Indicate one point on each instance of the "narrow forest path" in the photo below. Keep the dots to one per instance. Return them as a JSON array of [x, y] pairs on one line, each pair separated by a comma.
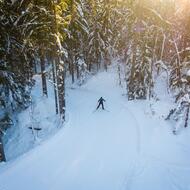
[[122, 148]]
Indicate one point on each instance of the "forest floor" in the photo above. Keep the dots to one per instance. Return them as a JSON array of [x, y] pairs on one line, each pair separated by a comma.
[[127, 147]]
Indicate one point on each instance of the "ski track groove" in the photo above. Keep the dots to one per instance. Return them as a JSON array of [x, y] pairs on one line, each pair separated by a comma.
[[173, 180], [132, 172]]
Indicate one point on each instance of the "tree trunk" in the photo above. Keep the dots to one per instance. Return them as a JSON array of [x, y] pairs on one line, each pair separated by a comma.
[[61, 89], [60, 70], [78, 71], [2, 154], [187, 116], [72, 72], [43, 74], [55, 85], [178, 64], [71, 67]]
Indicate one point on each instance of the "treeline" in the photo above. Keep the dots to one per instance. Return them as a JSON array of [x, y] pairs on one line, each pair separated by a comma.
[[75, 37]]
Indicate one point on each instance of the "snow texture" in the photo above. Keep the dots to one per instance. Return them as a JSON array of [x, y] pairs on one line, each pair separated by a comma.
[[41, 114], [129, 146], [188, 73]]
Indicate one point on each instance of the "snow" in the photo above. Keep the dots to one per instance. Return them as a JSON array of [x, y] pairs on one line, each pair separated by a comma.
[[19, 138], [129, 146], [188, 73]]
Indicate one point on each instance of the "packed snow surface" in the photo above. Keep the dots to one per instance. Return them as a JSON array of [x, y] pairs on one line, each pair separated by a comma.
[[127, 146]]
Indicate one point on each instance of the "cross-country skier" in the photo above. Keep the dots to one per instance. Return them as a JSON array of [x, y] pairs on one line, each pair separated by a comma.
[[100, 103]]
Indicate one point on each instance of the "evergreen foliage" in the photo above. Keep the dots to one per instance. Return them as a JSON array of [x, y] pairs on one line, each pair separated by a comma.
[[77, 37]]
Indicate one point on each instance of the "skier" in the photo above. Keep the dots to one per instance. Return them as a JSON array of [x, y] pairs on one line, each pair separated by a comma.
[[100, 103]]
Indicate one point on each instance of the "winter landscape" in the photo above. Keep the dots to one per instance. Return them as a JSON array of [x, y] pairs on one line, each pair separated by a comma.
[[94, 95]]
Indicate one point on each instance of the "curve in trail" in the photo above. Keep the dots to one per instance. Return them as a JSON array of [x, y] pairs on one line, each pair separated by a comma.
[[117, 122], [104, 150], [93, 151]]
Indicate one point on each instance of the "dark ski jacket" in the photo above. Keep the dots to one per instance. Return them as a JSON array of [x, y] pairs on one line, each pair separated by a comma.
[[101, 100]]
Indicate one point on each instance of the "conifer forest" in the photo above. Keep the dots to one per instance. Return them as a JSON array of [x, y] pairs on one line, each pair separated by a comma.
[[58, 57]]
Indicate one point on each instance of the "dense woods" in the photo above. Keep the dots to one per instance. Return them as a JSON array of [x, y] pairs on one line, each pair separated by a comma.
[[73, 38]]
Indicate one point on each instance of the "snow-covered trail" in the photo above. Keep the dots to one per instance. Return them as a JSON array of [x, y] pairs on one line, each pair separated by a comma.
[[119, 149], [110, 140]]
